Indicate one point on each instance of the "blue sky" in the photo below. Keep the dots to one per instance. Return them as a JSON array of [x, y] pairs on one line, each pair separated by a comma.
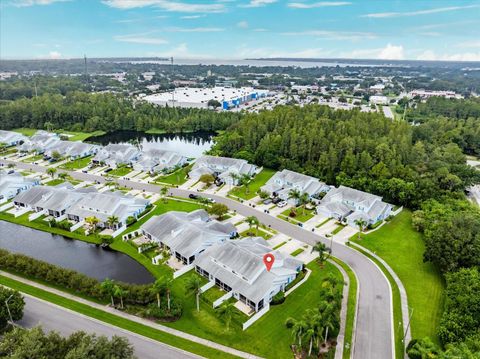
[[232, 29]]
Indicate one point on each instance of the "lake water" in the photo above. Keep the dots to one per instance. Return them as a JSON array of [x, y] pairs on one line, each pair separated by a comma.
[[187, 144], [83, 257]]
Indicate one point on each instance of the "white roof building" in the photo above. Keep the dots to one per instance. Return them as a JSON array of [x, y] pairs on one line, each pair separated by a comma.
[[14, 183], [72, 149], [10, 138], [186, 235], [348, 204], [155, 161], [281, 183], [237, 267], [379, 100], [114, 155], [221, 168], [40, 142]]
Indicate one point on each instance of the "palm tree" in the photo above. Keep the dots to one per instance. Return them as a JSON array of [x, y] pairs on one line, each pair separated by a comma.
[[252, 221], [157, 289], [298, 330], [168, 283], [303, 200], [361, 224], [120, 293], [112, 221], [51, 171], [235, 177], [295, 194], [226, 312], [92, 222], [194, 285], [245, 181], [321, 249], [108, 287], [163, 192], [62, 176]]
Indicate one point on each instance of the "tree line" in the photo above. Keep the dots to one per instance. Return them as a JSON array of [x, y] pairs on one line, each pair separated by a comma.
[[362, 150], [81, 111]]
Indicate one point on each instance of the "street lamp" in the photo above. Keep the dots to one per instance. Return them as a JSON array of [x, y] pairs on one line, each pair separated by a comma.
[[8, 309]]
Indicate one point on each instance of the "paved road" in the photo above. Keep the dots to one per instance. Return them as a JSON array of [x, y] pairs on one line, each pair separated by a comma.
[[52, 317], [374, 327]]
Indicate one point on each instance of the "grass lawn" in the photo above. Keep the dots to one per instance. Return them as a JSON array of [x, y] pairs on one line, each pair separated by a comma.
[[339, 228], [258, 181], [77, 164], [33, 159], [54, 182], [176, 178], [302, 215], [256, 233], [116, 320], [75, 136], [402, 248], [324, 222], [120, 171], [297, 251], [279, 245], [26, 131]]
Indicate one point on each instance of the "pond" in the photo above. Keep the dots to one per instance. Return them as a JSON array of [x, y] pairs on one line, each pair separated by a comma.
[[83, 257], [187, 144]]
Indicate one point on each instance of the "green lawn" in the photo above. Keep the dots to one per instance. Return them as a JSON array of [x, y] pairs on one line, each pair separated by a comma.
[[116, 320], [301, 214], [258, 233], [258, 181], [54, 182], [402, 248], [339, 228], [297, 251], [33, 159], [26, 131], [176, 178], [76, 136], [77, 164], [120, 171]]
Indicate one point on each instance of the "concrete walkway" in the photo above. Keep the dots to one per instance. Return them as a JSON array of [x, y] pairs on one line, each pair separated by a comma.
[[343, 312], [108, 309]]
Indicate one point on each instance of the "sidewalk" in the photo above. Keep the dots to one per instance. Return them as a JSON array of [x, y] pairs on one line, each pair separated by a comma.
[[133, 318]]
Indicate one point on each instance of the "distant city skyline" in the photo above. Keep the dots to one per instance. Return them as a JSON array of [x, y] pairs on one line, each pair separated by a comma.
[[238, 29]]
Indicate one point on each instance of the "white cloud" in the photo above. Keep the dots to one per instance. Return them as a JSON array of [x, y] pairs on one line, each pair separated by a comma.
[[427, 55], [166, 5], [259, 3], [389, 52], [474, 43], [54, 55], [392, 52], [335, 35], [141, 39], [191, 17], [194, 29], [419, 12], [260, 30], [432, 56], [242, 25], [246, 52], [24, 3], [301, 5], [180, 51]]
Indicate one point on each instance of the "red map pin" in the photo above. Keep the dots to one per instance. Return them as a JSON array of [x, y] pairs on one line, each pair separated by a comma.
[[268, 260]]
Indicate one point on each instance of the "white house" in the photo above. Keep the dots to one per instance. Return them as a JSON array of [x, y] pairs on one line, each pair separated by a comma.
[[221, 168], [348, 205], [281, 183], [10, 138], [237, 267], [114, 155], [379, 100], [105, 205], [186, 235], [156, 161], [72, 149], [40, 142], [14, 183]]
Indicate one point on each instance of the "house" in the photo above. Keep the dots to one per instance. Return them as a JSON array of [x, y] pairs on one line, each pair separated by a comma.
[[156, 161], [14, 183], [9, 138], [221, 168], [105, 205], [186, 235], [348, 205], [281, 183], [72, 149], [114, 155], [54, 201], [39, 142], [237, 267]]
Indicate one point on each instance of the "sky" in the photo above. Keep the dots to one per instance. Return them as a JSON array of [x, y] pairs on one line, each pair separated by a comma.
[[238, 29]]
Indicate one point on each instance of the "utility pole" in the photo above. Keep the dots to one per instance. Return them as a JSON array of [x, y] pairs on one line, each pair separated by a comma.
[[8, 309]]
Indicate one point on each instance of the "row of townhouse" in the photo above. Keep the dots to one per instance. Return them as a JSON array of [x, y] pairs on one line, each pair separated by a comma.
[[236, 266], [12, 184], [10, 138], [225, 170], [65, 202]]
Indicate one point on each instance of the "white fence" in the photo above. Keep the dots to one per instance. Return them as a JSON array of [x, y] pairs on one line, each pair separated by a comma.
[[77, 226], [256, 316], [36, 215], [207, 286], [222, 299], [182, 271]]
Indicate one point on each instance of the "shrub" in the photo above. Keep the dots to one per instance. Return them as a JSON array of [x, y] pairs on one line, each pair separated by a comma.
[[131, 220], [278, 298]]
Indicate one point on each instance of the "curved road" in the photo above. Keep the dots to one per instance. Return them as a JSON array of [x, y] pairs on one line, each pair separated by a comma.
[[373, 335]]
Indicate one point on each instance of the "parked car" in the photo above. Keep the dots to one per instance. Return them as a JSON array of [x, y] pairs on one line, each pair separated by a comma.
[[276, 200], [267, 201], [85, 171], [211, 200], [108, 170], [281, 204], [193, 196]]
